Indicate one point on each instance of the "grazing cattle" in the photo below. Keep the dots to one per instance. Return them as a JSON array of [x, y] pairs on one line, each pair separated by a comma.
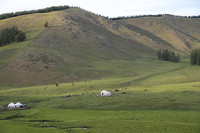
[[1, 107], [66, 96], [114, 90], [124, 93], [56, 85]]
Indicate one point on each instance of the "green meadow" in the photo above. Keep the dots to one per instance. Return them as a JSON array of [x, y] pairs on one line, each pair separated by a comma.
[[159, 97]]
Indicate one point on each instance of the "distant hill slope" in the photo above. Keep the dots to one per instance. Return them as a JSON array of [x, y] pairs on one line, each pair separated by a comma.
[[75, 40], [179, 33]]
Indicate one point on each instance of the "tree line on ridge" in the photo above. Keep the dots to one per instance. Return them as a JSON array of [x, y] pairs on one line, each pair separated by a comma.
[[45, 10]]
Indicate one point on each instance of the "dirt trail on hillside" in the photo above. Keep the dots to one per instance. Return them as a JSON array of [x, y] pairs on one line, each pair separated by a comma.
[[139, 80]]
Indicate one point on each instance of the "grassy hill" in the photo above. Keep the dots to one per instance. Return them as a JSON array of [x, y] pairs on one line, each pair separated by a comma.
[[78, 45], [178, 33], [65, 51]]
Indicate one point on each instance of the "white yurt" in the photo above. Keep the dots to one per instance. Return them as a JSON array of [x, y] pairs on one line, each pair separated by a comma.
[[11, 105], [105, 93], [18, 104]]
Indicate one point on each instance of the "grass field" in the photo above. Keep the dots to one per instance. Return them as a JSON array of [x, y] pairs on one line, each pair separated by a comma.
[[73, 120], [161, 97]]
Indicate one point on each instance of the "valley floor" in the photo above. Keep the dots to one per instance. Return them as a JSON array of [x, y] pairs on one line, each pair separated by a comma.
[[117, 121], [162, 97]]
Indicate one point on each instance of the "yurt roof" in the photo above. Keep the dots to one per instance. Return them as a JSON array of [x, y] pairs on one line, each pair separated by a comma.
[[105, 91], [18, 103]]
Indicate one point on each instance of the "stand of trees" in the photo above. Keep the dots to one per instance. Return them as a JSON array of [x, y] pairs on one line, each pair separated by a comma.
[[137, 16], [10, 35], [159, 15], [195, 57], [49, 9], [167, 55]]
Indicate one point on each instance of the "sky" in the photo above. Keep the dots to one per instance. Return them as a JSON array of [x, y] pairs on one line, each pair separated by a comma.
[[111, 8]]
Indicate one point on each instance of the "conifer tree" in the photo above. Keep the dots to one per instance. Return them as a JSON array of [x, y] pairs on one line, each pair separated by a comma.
[[195, 57], [46, 24]]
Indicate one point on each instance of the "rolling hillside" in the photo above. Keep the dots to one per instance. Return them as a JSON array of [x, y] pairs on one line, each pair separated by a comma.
[[78, 45], [178, 33]]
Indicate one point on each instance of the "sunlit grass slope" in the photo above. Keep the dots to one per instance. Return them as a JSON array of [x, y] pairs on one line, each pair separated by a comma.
[[66, 50], [179, 32], [78, 45], [32, 25]]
